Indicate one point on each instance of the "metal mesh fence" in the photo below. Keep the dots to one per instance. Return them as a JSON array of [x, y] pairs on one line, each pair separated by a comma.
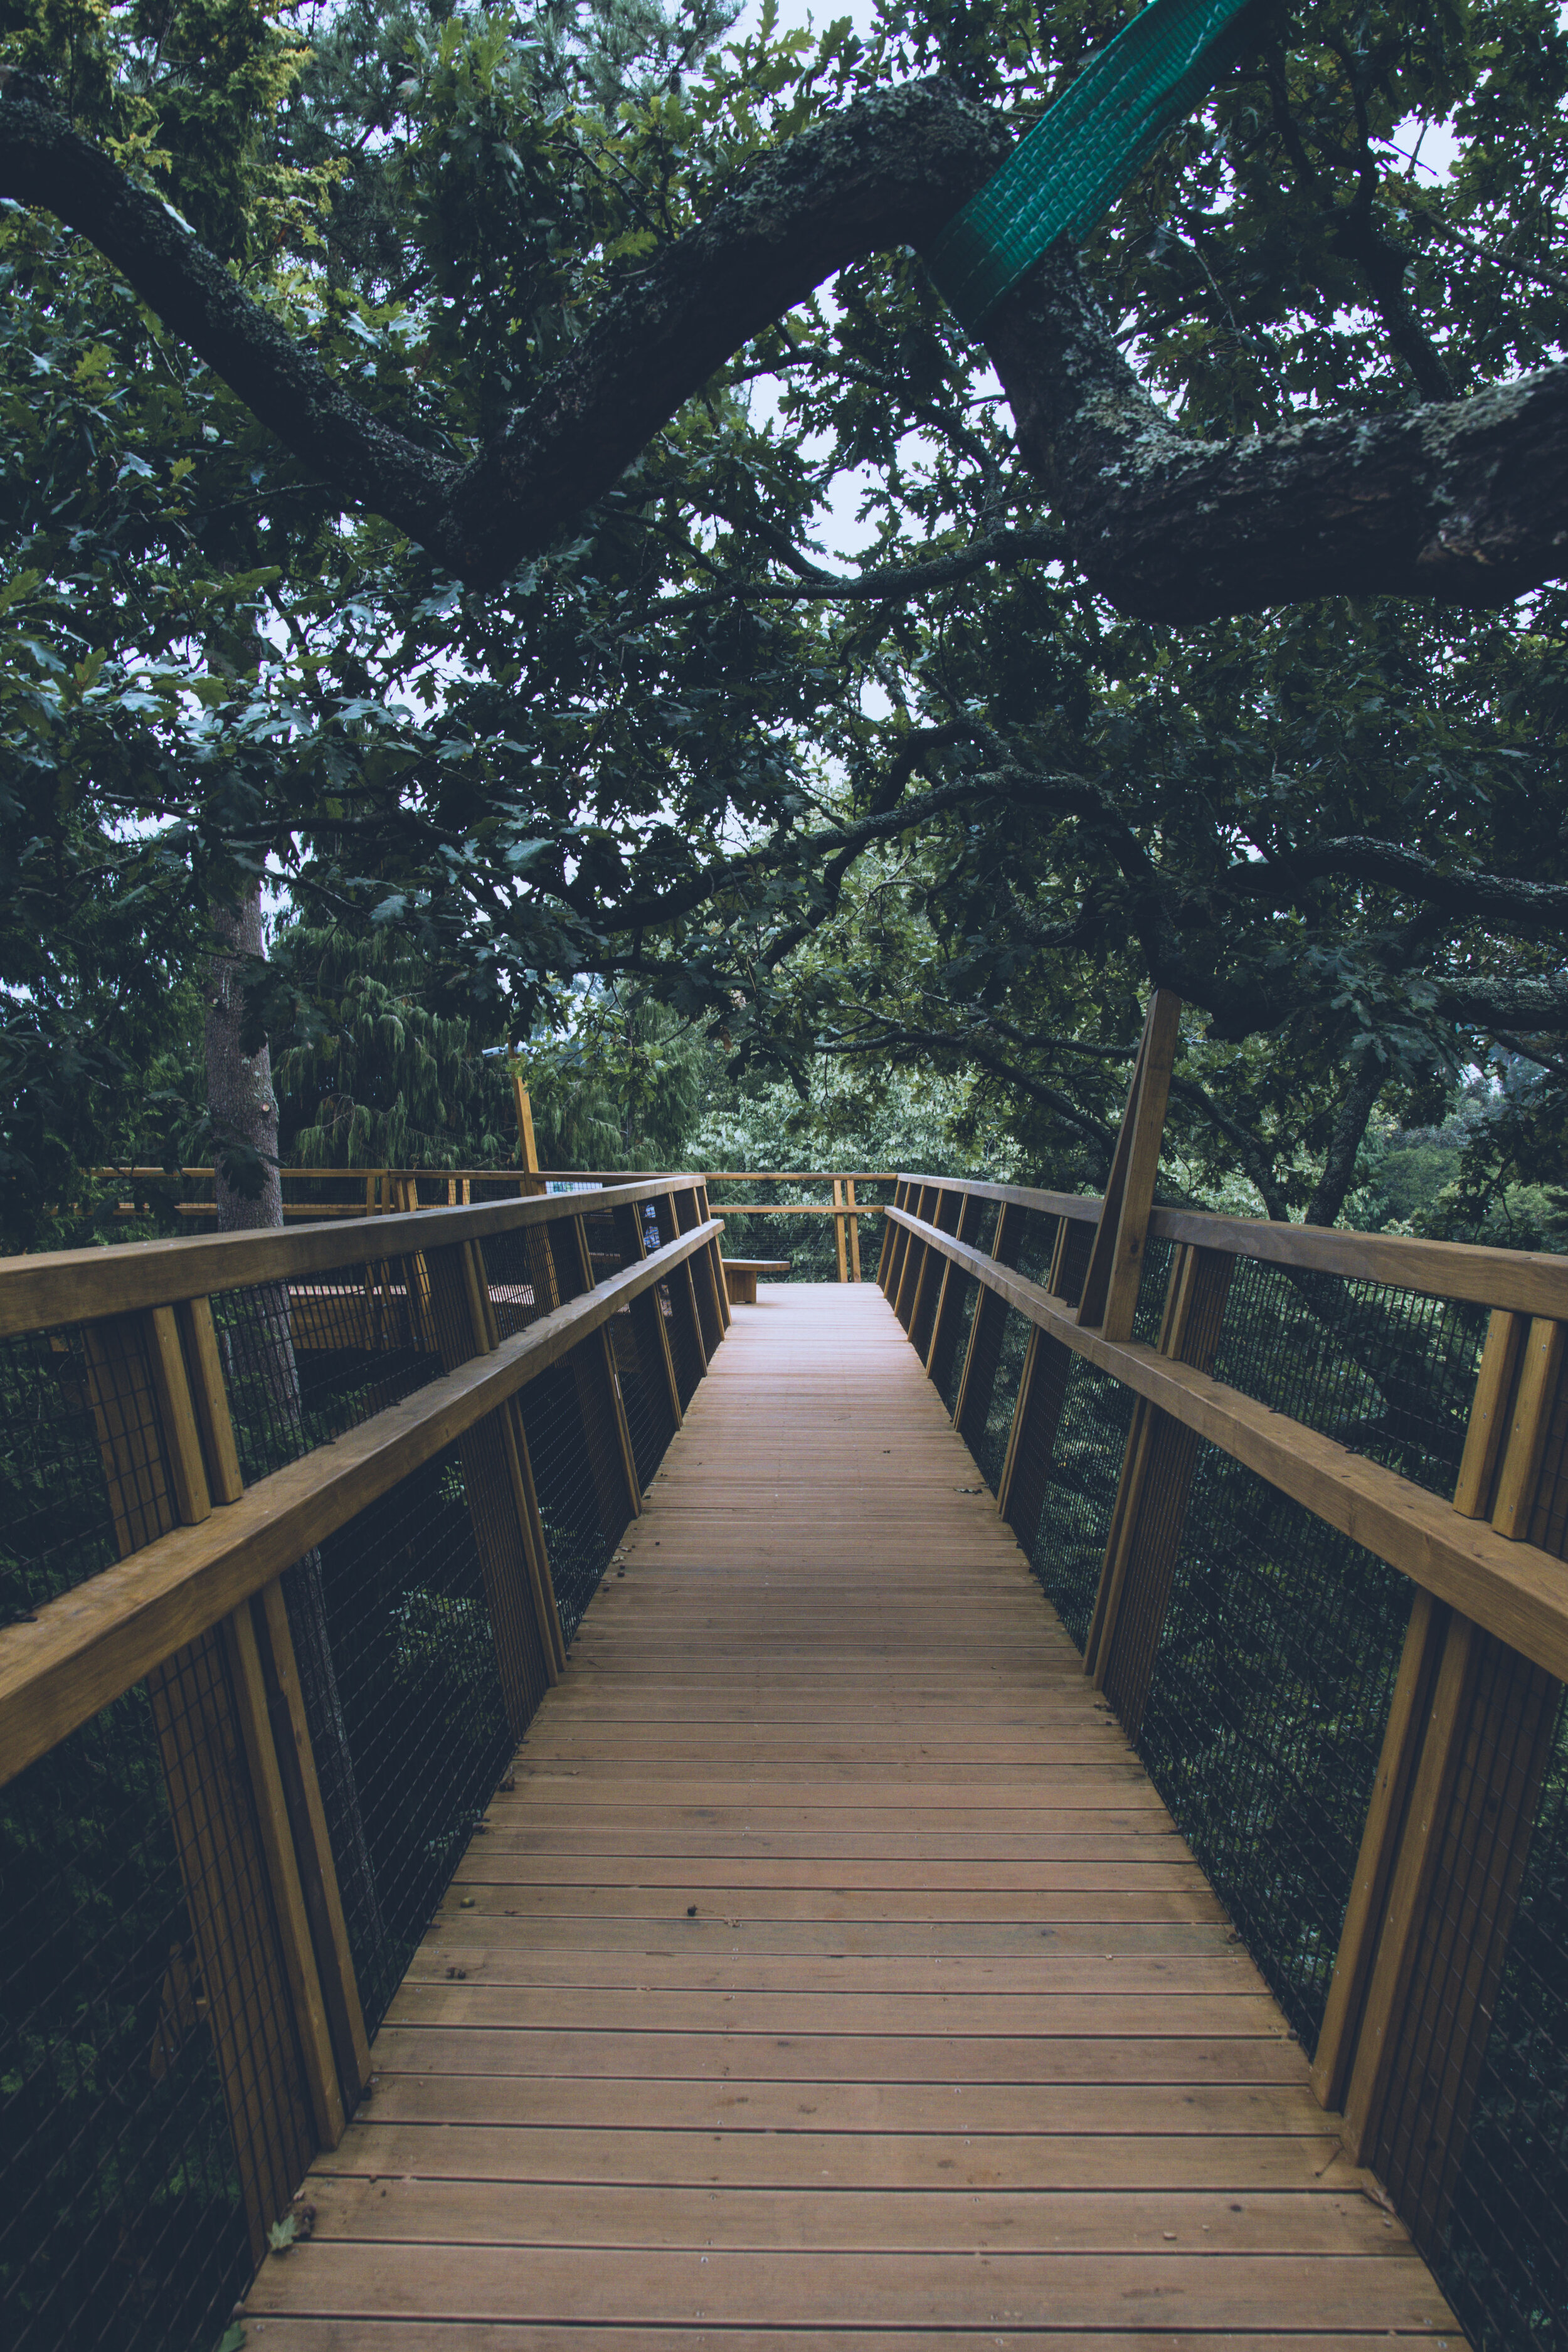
[[128, 2217], [571, 1496], [1068, 1545], [948, 1389], [521, 1276], [305, 1360], [1388, 1373], [422, 1709], [57, 1526], [1265, 1716], [1501, 2248]]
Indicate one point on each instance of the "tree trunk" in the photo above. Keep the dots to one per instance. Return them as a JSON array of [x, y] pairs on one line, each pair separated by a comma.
[[243, 1111]]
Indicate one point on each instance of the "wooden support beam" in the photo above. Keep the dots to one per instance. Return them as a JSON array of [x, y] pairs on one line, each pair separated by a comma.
[[649, 1326], [721, 1289], [948, 1319], [496, 1511], [151, 1452], [986, 1325], [1539, 1364], [908, 1280], [1144, 1541], [928, 1281], [1404, 1908], [1490, 1413], [1116, 1263], [308, 2001], [209, 1395], [1038, 1407], [313, 1854], [854, 1230], [893, 1240], [1408, 1715], [840, 1234]]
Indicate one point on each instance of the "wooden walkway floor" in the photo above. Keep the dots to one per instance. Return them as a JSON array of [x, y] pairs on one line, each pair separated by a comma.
[[834, 1975]]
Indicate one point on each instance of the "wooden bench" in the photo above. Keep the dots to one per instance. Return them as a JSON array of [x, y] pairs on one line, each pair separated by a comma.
[[741, 1277]]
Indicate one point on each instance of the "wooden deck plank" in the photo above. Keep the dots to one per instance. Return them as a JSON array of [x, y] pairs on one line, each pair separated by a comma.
[[832, 1974]]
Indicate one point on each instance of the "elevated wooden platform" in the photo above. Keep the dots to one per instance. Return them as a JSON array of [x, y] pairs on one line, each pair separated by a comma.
[[833, 1974]]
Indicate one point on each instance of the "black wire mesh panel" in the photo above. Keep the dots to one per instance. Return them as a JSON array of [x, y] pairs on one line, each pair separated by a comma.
[[1388, 1373], [947, 1388], [570, 1501], [1473, 2141], [424, 1718], [1067, 1548], [304, 1360], [56, 1523], [645, 1393], [131, 2215], [522, 1278], [1152, 1286], [1265, 1716]]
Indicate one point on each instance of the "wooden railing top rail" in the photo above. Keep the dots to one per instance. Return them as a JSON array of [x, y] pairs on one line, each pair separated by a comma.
[[1525, 1282], [512, 1175], [61, 1287], [82, 1650], [1513, 1589]]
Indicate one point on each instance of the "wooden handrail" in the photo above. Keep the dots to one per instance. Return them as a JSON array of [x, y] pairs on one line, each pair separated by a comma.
[[1526, 1282], [1513, 1589], [62, 1286], [83, 1649]]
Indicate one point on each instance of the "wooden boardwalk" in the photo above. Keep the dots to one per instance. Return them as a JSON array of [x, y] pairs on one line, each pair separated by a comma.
[[834, 1975]]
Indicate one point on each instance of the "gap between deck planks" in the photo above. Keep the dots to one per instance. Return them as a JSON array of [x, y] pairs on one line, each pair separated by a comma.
[[833, 1974]]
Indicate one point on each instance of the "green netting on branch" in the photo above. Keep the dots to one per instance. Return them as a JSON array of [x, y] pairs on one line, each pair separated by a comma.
[[1080, 156]]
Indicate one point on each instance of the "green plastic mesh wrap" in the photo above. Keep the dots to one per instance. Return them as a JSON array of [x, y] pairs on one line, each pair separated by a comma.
[[1081, 154]]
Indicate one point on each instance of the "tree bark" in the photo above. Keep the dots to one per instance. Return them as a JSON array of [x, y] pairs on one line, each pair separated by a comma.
[[242, 1106], [1465, 501]]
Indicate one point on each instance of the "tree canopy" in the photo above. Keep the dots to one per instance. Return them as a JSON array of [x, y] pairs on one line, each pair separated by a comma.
[[419, 427]]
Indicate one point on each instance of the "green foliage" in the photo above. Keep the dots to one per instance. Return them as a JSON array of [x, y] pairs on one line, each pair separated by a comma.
[[387, 1079]]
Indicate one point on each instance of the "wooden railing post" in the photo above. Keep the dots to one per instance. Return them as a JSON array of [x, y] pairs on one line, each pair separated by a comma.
[[686, 1324], [713, 1254], [518, 1593], [1042, 1389], [601, 1408], [920, 1201], [947, 1320], [712, 1304], [893, 1238], [264, 2003], [1448, 1834], [1144, 1538], [647, 1321], [1109, 1298], [854, 1230], [984, 1353], [271, 1642]]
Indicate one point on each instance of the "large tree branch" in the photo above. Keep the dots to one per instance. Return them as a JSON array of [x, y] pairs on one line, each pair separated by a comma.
[[1493, 1004], [894, 583], [886, 170], [1464, 890], [1466, 501]]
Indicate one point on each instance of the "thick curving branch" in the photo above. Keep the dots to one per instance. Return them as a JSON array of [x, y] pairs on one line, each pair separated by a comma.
[[1466, 501], [887, 171], [1462, 890]]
